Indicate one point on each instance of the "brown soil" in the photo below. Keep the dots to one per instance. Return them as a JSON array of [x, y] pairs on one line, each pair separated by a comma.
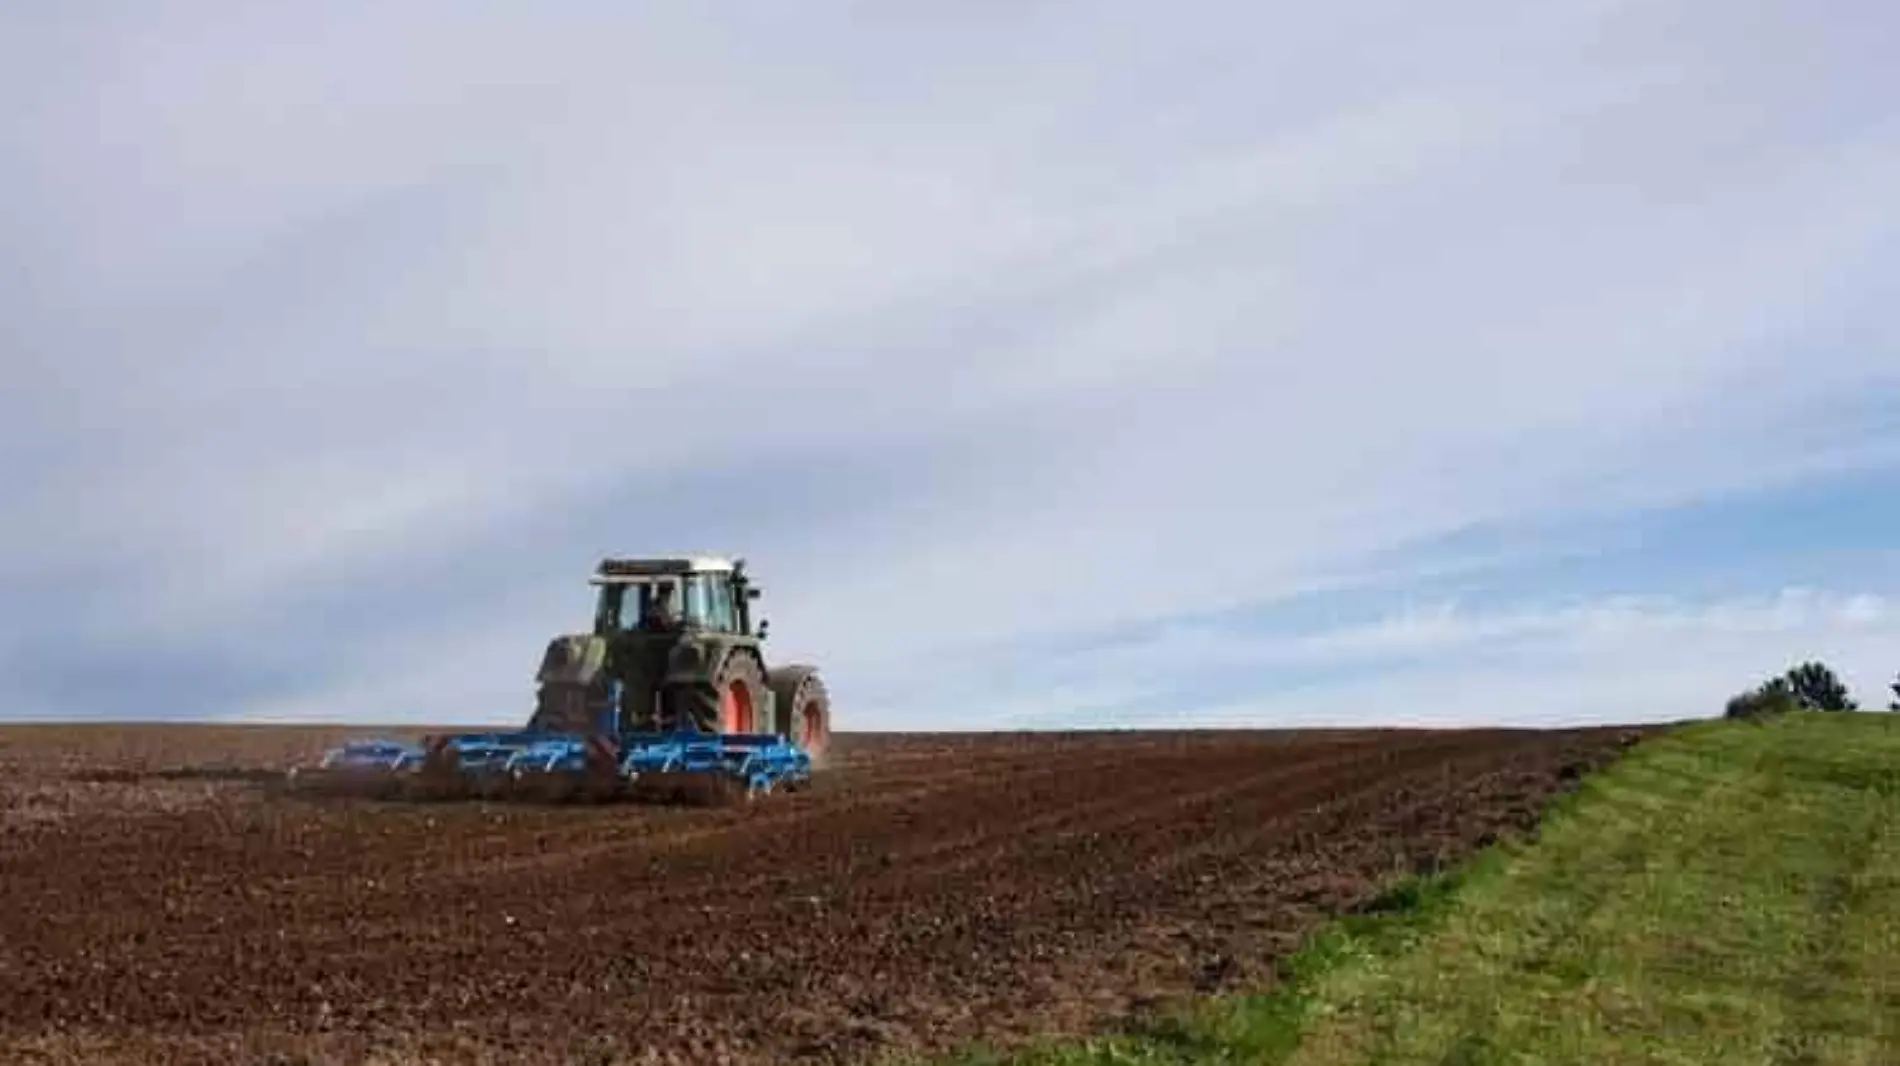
[[163, 906]]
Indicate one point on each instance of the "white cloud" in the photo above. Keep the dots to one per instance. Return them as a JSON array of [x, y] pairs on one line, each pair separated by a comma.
[[1113, 314], [1621, 659]]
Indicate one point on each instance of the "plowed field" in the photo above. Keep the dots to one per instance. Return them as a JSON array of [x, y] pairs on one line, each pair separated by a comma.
[[929, 891]]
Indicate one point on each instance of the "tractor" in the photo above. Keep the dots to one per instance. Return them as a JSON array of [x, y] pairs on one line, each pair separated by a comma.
[[668, 692], [679, 638]]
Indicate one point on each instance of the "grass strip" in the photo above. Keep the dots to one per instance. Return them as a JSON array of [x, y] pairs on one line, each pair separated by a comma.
[[1729, 892]]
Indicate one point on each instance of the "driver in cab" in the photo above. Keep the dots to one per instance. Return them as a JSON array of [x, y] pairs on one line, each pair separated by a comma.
[[661, 615]]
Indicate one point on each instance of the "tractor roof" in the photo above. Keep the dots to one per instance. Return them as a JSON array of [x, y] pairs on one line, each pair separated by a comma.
[[631, 569]]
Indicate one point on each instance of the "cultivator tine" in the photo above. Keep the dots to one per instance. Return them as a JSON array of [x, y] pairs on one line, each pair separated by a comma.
[[537, 785], [601, 767], [441, 776], [322, 781], [688, 788]]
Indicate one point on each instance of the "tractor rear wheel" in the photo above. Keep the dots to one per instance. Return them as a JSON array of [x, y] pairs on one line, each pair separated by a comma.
[[729, 702], [804, 708]]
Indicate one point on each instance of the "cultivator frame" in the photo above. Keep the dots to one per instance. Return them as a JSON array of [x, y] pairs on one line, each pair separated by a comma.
[[692, 768]]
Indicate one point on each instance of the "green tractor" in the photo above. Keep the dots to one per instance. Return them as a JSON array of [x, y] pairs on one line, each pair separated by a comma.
[[675, 649]]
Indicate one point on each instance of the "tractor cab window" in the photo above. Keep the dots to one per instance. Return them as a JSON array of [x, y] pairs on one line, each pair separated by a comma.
[[624, 605], [709, 603], [702, 600], [617, 610], [662, 598]]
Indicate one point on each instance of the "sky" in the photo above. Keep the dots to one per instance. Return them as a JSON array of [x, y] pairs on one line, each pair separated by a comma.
[[1053, 364]]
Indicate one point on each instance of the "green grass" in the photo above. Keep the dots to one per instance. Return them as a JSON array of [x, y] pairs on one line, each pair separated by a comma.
[[1727, 893]]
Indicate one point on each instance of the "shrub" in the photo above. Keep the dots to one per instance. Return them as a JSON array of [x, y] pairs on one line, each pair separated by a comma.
[[1770, 697], [1818, 689], [1810, 686]]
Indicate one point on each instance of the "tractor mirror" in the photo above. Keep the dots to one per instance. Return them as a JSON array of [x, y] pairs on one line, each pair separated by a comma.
[[752, 593]]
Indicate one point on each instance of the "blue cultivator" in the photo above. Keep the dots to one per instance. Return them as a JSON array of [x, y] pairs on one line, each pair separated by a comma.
[[718, 767], [674, 767]]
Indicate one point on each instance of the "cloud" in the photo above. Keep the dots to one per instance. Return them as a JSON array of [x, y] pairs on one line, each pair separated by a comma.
[[346, 344], [1619, 659]]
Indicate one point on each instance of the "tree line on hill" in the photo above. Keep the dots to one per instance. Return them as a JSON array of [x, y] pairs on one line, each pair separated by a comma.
[[1809, 686]]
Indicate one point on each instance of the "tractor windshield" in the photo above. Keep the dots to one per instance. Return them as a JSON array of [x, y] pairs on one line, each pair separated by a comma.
[[705, 601], [623, 604], [710, 603]]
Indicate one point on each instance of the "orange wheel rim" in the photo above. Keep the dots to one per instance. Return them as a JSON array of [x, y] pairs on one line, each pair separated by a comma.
[[811, 735], [735, 708]]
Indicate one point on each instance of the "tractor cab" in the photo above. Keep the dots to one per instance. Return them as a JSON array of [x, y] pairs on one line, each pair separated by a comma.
[[699, 593]]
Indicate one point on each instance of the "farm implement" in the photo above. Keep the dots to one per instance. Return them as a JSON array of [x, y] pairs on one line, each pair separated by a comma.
[[664, 767], [668, 698]]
